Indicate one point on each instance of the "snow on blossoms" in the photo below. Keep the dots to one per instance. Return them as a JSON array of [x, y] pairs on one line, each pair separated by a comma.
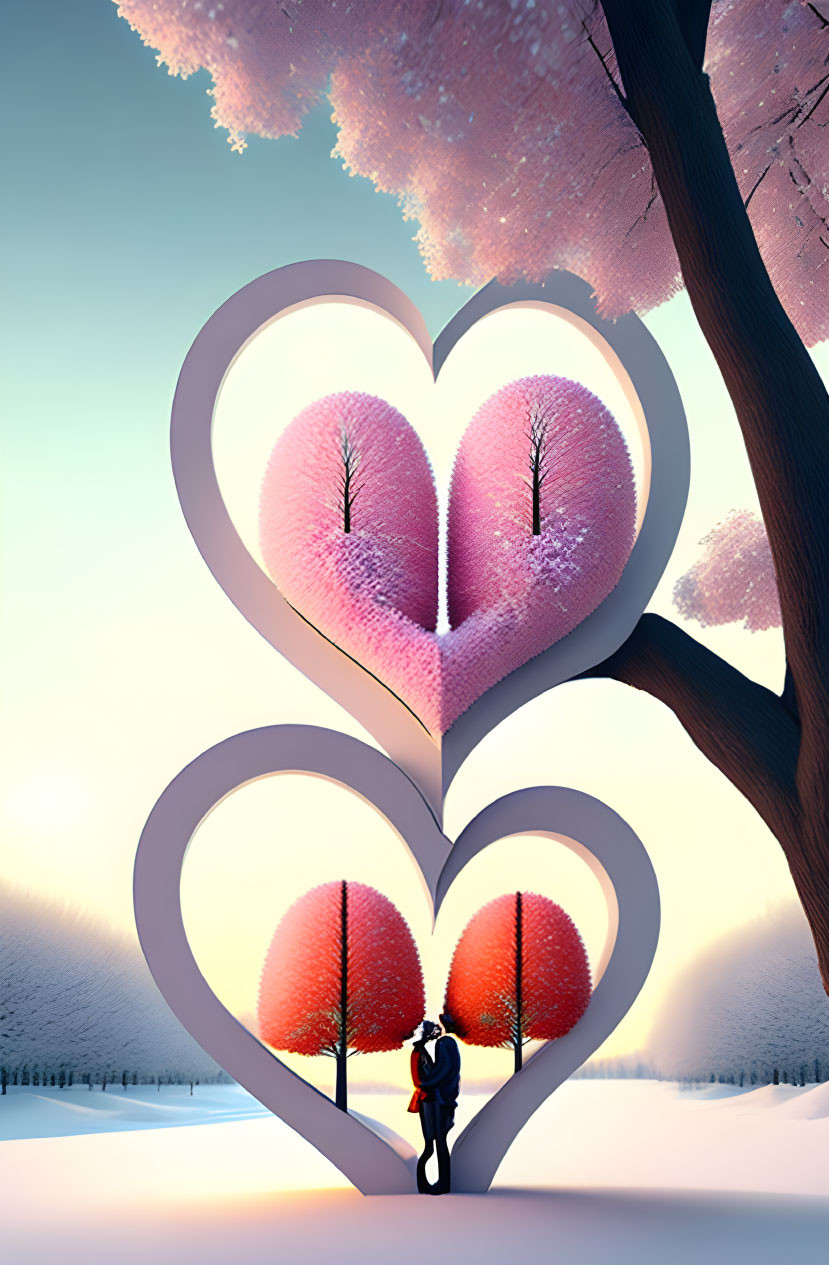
[[541, 524]]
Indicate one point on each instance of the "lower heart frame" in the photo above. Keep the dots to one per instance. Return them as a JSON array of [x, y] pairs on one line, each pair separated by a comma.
[[375, 1159]]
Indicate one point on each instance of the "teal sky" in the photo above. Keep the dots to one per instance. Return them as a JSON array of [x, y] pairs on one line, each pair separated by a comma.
[[126, 220]]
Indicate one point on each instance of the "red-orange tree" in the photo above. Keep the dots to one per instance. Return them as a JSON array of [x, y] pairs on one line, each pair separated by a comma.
[[519, 973], [342, 975]]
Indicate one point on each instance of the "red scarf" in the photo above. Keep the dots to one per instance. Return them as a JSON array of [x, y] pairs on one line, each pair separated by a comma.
[[419, 1094]]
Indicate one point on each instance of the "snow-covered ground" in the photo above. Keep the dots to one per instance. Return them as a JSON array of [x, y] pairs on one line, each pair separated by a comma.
[[606, 1171], [55, 1113]]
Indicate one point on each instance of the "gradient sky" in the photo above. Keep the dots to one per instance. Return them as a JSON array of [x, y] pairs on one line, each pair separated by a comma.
[[126, 221]]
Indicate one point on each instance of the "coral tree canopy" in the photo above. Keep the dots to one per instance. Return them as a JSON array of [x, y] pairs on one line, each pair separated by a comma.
[[300, 993], [502, 987]]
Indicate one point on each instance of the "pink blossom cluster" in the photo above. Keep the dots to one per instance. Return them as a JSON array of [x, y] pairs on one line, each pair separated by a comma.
[[499, 127], [734, 579], [541, 524]]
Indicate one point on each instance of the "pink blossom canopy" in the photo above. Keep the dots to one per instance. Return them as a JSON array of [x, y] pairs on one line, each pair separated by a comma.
[[498, 127], [734, 579]]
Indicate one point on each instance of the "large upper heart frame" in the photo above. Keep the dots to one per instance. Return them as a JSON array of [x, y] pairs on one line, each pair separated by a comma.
[[633, 354]]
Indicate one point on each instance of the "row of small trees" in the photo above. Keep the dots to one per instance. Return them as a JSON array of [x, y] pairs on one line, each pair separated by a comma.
[[342, 976], [78, 1006], [66, 1078], [813, 1074]]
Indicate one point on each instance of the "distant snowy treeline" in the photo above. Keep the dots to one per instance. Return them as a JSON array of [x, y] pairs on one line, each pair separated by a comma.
[[78, 1003], [750, 1011], [622, 1067]]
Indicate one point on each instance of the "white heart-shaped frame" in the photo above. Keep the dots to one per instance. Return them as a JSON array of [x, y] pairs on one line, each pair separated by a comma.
[[376, 1161], [642, 370]]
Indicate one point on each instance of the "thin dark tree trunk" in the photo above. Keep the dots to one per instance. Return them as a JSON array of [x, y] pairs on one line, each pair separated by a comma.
[[518, 1035], [783, 411], [341, 1094]]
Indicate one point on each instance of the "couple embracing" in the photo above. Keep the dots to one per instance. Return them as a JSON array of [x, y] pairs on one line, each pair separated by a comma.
[[436, 1078]]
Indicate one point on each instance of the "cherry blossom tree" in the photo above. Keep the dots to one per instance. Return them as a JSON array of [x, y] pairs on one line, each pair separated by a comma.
[[342, 975], [641, 144], [472, 113], [519, 973]]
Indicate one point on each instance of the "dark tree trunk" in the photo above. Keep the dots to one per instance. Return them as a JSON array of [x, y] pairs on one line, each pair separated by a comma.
[[782, 407], [341, 1092], [518, 1034]]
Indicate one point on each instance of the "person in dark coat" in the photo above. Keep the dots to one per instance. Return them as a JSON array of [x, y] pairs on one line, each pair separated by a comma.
[[423, 1100], [438, 1080]]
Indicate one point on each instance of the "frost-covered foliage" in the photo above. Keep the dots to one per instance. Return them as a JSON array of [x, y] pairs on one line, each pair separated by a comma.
[[500, 128], [751, 1009], [78, 1003], [734, 579], [519, 973], [541, 522], [300, 992]]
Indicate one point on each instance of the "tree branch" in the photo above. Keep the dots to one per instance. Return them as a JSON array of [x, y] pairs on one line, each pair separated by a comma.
[[693, 17], [789, 697], [741, 727], [614, 85], [756, 185]]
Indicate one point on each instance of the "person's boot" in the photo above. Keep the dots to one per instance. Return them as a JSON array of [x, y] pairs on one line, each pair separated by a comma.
[[424, 1186], [442, 1185]]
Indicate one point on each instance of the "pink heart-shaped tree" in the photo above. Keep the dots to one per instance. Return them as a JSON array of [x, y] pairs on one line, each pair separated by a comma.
[[541, 523]]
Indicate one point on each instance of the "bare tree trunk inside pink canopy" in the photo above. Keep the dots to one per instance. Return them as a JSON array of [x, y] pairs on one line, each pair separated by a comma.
[[774, 749]]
